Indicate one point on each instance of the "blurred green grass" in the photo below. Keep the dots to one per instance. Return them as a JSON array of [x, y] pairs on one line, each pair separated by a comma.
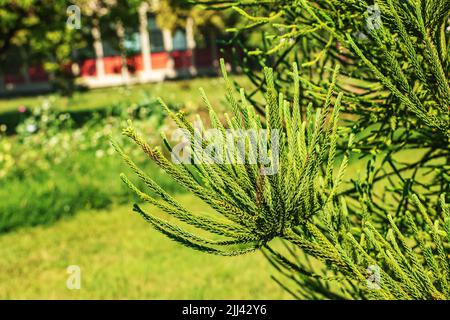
[[179, 92], [122, 257]]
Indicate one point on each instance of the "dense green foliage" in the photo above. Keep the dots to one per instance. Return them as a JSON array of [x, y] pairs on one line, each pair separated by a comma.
[[394, 95], [36, 32], [394, 76], [263, 206]]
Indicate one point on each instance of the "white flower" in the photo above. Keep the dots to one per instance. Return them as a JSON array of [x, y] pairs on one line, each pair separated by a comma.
[[31, 128]]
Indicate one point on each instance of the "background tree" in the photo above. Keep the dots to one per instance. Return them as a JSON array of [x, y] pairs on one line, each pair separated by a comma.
[[39, 29], [210, 25]]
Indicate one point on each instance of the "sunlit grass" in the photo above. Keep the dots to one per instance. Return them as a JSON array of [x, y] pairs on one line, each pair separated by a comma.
[[180, 92], [121, 257]]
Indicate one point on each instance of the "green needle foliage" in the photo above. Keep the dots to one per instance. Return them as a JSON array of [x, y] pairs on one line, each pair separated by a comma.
[[254, 207], [382, 235], [394, 58], [301, 206]]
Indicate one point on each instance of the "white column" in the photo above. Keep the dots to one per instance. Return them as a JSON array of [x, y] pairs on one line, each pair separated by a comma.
[[98, 48], [168, 47], [145, 38], [190, 41]]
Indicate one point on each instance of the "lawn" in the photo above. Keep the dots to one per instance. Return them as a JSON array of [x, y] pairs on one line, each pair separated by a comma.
[[121, 257], [179, 92]]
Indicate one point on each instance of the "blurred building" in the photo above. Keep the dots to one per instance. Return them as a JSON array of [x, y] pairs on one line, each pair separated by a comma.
[[153, 55]]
